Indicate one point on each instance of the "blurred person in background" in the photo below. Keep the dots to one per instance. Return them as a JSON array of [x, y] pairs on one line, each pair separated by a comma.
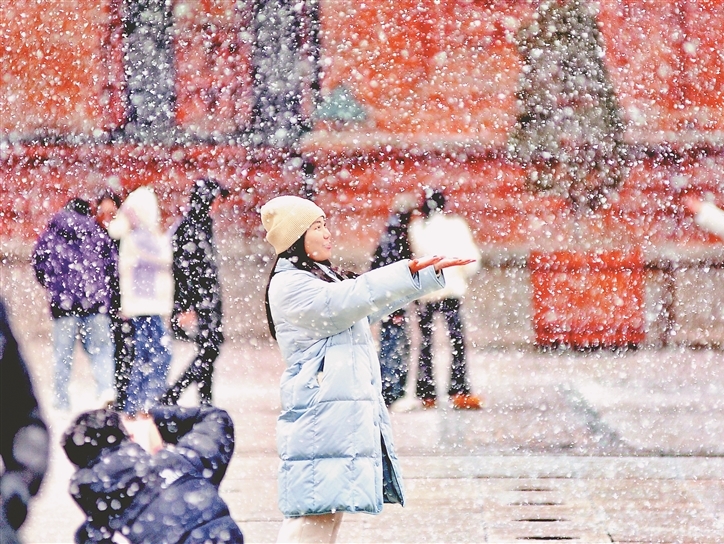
[[107, 205], [439, 233], [146, 286], [152, 480], [24, 442], [334, 433], [395, 342], [76, 261], [197, 313]]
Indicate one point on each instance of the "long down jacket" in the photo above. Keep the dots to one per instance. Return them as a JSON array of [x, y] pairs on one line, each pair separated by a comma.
[[334, 435]]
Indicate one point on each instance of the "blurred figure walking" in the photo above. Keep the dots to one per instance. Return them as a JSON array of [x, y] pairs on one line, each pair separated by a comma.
[[24, 441], [437, 234], [76, 261], [395, 343], [146, 295], [197, 311]]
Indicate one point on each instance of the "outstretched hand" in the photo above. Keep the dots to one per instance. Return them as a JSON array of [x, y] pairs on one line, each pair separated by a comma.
[[437, 262], [692, 204]]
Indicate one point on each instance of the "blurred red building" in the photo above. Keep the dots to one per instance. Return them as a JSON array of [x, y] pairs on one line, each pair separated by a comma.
[[389, 96]]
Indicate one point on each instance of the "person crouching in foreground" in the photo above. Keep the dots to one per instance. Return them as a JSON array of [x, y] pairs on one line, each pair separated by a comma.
[[168, 494], [334, 434]]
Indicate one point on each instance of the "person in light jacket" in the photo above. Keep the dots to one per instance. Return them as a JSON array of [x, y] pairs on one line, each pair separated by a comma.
[[146, 283], [334, 435], [435, 233]]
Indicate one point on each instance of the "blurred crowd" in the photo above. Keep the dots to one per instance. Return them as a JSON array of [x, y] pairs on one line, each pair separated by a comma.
[[121, 287]]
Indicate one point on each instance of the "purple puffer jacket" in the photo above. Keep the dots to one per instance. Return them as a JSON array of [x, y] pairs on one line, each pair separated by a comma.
[[77, 262]]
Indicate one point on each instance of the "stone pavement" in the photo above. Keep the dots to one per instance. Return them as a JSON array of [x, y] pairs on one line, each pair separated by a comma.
[[595, 446], [581, 447]]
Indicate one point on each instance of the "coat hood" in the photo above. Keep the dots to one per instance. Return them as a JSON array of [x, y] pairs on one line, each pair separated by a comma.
[[90, 434], [140, 209], [113, 474]]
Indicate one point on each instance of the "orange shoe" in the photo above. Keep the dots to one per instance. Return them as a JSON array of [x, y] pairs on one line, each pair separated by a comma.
[[428, 403], [463, 401]]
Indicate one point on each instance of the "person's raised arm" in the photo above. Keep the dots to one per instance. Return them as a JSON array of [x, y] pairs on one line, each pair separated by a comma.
[[143, 431], [207, 432], [706, 215], [437, 262]]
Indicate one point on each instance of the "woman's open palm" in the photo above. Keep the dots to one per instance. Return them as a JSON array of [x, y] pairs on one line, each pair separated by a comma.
[[437, 262]]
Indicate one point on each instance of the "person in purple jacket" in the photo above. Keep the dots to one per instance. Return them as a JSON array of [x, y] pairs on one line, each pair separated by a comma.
[[77, 263]]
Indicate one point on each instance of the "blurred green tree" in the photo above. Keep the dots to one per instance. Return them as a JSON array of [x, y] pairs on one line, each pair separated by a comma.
[[569, 131]]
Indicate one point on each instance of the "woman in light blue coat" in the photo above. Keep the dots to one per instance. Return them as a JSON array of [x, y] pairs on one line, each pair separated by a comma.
[[333, 435]]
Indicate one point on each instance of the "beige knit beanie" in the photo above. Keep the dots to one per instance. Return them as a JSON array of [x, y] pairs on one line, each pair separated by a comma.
[[287, 218]]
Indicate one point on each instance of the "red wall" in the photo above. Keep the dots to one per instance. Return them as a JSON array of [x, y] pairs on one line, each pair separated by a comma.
[[438, 81]]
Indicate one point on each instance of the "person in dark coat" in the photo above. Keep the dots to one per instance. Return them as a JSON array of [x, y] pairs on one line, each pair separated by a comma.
[[197, 312], [167, 497], [23, 436], [394, 352], [77, 263]]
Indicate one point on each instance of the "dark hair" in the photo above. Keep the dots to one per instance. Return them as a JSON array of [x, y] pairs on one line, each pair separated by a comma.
[[107, 194], [205, 190], [297, 255], [90, 434], [78, 205], [434, 200]]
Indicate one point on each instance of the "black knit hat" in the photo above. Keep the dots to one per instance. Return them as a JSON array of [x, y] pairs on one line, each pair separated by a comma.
[[78, 205], [90, 434], [434, 200], [208, 189]]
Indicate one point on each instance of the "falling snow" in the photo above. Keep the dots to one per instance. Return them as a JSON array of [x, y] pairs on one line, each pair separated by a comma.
[[570, 135]]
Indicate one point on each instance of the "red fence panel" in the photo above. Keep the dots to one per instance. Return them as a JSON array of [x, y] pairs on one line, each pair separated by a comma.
[[588, 299]]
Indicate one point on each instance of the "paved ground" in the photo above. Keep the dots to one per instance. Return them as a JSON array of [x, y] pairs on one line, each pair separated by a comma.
[[597, 447], [580, 447]]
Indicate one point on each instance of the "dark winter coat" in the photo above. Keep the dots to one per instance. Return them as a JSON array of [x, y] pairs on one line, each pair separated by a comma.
[[393, 246], [24, 442], [195, 272], [168, 498], [77, 262]]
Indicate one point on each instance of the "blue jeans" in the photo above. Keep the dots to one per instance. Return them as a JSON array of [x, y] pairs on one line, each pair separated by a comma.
[[394, 357], [147, 379], [94, 332]]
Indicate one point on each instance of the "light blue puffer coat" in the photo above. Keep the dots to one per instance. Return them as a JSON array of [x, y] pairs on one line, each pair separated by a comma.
[[334, 435]]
